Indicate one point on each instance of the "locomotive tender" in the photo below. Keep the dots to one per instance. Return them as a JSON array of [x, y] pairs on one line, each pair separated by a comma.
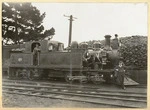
[[80, 62]]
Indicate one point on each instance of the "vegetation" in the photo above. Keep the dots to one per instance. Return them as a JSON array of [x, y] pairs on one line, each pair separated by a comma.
[[134, 51], [22, 22]]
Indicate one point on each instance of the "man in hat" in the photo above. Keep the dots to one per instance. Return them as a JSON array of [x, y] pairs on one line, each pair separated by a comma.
[[116, 41], [36, 51], [120, 74]]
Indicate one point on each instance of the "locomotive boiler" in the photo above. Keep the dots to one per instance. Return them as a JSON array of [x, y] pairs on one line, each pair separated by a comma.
[[79, 62]]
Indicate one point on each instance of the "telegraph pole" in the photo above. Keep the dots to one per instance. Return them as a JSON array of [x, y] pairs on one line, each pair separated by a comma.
[[70, 28]]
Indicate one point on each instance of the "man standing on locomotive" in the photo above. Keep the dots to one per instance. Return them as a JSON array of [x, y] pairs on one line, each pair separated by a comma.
[[36, 51], [120, 74], [117, 43]]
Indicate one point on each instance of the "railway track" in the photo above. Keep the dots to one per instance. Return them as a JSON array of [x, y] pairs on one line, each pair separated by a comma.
[[109, 98], [62, 84]]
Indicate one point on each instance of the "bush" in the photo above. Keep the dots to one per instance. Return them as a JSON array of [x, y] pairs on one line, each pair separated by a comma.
[[134, 51]]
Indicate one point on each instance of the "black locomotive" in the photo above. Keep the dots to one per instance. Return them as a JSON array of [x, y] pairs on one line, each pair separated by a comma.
[[79, 61]]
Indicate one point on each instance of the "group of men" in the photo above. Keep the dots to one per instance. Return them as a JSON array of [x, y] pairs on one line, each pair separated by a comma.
[[119, 70]]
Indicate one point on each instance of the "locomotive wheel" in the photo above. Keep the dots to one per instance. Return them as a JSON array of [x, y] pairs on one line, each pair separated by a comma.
[[83, 81], [22, 74], [96, 78], [107, 79], [96, 66], [18, 73], [67, 77], [12, 73], [33, 74], [30, 75]]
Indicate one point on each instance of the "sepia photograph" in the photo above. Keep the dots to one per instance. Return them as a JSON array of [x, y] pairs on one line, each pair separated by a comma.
[[74, 55]]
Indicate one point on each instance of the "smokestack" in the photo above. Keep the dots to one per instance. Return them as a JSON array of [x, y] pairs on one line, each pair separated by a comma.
[[107, 42]]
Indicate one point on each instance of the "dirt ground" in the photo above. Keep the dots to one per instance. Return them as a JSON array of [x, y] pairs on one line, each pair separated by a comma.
[[22, 101]]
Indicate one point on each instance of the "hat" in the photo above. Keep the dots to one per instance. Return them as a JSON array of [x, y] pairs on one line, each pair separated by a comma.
[[116, 34]]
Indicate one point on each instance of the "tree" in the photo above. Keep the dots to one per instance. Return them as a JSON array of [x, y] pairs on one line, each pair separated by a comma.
[[22, 22], [50, 33]]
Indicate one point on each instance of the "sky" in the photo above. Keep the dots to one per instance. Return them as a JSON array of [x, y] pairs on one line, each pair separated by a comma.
[[94, 20]]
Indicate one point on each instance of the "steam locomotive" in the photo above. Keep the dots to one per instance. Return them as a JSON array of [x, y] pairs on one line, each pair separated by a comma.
[[77, 62]]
